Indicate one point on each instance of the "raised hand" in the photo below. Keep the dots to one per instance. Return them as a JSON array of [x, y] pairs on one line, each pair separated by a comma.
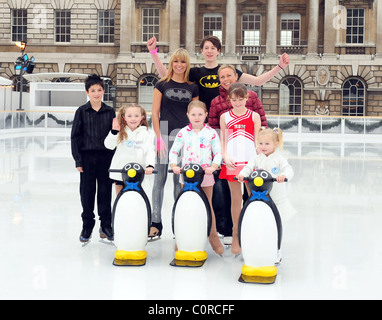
[[284, 60], [152, 44]]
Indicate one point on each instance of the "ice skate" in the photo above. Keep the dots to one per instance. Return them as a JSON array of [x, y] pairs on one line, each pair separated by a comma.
[[85, 236], [106, 233], [155, 231]]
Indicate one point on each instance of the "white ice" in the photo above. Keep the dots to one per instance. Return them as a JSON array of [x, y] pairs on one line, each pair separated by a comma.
[[331, 248]]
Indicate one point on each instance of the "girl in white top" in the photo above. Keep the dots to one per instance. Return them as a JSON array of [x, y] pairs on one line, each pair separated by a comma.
[[133, 142], [268, 141]]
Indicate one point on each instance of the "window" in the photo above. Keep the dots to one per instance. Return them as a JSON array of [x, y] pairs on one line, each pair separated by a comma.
[[290, 97], [105, 26], [62, 25], [150, 23], [290, 29], [353, 97], [17, 84], [19, 25], [146, 90], [109, 94], [213, 25], [250, 26], [355, 29]]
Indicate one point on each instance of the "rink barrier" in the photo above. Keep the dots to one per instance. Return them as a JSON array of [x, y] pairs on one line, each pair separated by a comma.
[[44, 120]]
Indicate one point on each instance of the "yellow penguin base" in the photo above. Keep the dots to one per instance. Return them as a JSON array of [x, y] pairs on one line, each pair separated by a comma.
[[189, 259], [130, 258], [265, 275]]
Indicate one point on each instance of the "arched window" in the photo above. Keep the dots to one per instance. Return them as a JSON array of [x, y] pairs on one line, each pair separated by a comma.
[[109, 90], [146, 89], [17, 84], [290, 96], [353, 97]]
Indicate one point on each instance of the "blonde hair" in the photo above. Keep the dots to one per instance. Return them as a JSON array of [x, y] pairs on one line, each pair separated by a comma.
[[122, 135], [275, 133], [227, 66], [178, 54], [196, 104]]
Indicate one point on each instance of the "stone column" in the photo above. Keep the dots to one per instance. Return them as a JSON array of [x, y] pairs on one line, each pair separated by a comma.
[[313, 26], [174, 33], [190, 26], [230, 39], [379, 27], [126, 31], [271, 44], [331, 30]]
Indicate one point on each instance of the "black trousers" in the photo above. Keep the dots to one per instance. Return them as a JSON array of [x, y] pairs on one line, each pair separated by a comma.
[[221, 203], [95, 181]]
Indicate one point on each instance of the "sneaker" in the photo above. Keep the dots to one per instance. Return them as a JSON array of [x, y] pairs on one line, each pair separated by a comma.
[[106, 233], [85, 235]]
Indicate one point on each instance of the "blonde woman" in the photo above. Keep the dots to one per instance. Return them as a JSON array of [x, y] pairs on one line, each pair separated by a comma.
[[171, 97]]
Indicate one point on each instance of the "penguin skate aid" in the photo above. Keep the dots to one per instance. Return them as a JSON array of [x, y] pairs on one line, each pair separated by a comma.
[[191, 219], [260, 231], [131, 217]]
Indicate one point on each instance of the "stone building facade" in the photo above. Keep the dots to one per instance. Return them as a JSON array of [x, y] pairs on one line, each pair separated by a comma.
[[335, 46]]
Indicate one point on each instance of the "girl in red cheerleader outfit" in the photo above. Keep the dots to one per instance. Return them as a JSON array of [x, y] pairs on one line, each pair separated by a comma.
[[239, 127]]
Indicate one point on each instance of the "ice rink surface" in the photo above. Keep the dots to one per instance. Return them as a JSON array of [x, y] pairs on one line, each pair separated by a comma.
[[331, 248]]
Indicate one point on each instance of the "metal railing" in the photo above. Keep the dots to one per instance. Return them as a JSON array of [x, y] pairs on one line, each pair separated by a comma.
[[43, 120], [35, 120], [332, 125]]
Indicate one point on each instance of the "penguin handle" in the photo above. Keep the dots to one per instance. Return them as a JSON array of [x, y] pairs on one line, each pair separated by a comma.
[[120, 171], [245, 179], [275, 180], [170, 171]]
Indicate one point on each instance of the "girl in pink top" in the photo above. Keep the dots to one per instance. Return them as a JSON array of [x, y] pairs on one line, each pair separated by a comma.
[[200, 144], [239, 127]]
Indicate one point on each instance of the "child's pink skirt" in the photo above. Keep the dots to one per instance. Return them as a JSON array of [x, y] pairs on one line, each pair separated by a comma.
[[208, 180]]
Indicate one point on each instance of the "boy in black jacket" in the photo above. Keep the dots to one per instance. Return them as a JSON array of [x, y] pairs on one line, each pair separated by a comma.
[[92, 123]]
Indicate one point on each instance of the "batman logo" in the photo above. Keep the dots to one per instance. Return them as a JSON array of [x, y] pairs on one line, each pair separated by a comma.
[[180, 95], [210, 82]]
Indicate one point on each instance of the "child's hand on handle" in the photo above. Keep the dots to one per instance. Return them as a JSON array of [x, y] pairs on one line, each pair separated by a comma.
[[240, 177], [176, 169], [149, 170], [281, 178]]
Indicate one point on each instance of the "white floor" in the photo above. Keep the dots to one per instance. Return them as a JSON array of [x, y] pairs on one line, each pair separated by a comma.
[[331, 248]]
